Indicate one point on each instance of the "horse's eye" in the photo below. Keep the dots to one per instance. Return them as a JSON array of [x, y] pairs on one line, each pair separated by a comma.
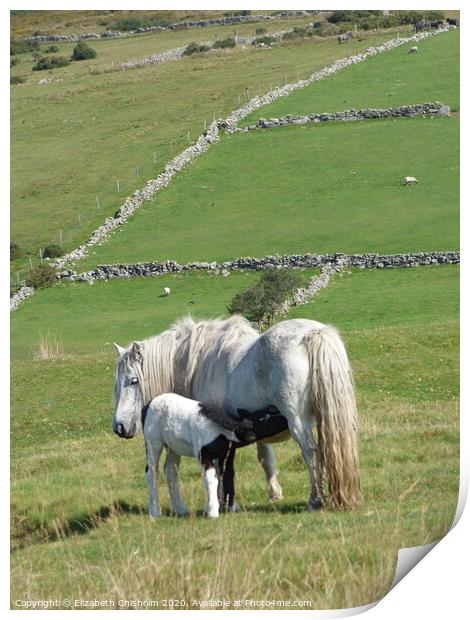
[[134, 381]]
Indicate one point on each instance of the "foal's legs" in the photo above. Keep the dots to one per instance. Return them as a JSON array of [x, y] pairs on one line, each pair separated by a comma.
[[172, 462], [151, 473], [268, 462], [227, 482], [211, 483], [301, 431]]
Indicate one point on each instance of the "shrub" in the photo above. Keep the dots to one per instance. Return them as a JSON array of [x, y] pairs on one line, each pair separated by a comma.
[[267, 40], [140, 21], [16, 79], [195, 48], [51, 49], [82, 51], [261, 302], [41, 276], [13, 62], [261, 30], [53, 250], [296, 33], [46, 64], [16, 251], [225, 43], [22, 46]]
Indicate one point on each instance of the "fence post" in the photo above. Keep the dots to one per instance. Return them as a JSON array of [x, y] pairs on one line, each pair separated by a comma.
[[205, 124], [98, 203], [154, 157], [30, 262], [79, 222], [60, 235], [117, 184], [188, 136], [18, 277], [40, 254]]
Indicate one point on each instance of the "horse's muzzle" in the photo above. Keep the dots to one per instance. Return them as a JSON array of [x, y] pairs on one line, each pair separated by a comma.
[[120, 430]]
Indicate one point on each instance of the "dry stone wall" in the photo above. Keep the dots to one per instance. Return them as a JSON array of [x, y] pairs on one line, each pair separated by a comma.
[[422, 109], [290, 261]]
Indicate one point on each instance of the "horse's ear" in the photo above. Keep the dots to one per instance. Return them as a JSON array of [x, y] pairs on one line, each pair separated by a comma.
[[136, 352], [120, 350]]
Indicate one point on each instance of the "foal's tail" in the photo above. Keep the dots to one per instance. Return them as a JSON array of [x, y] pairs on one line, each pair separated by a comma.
[[334, 404]]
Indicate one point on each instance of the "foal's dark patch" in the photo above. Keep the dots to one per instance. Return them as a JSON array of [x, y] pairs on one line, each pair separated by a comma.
[[241, 428]]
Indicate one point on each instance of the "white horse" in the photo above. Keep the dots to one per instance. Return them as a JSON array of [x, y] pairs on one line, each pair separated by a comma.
[[166, 291], [189, 428], [299, 366]]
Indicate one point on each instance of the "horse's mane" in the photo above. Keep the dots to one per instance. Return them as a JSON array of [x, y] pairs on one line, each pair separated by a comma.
[[168, 362]]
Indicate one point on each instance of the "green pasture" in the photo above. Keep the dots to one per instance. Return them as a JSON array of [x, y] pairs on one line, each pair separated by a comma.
[[73, 140], [86, 319], [317, 188], [390, 79], [79, 497]]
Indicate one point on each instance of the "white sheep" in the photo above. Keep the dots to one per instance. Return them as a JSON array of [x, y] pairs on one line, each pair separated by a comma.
[[166, 291], [413, 50], [410, 181]]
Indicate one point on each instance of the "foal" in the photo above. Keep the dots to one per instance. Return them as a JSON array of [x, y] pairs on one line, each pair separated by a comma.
[[189, 428]]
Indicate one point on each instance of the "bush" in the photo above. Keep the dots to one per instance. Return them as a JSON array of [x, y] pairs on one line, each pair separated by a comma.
[[16, 79], [22, 46], [41, 276], [296, 33], [82, 51], [261, 30], [195, 48], [13, 62], [46, 64], [51, 49], [143, 21], [225, 43], [16, 251], [267, 40], [261, 302], [53, 250]]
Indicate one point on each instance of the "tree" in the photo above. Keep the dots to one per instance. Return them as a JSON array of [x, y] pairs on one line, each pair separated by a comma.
[[82, 51]]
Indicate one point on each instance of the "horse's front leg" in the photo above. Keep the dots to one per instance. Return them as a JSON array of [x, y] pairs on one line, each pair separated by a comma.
[[211, 484], [267, 459], [151, 473], [171, 472]]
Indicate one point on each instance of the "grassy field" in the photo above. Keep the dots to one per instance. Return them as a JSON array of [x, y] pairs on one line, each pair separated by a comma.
[[391, 79], [90, 131], [79, 498], [328, 188], [26, 23]]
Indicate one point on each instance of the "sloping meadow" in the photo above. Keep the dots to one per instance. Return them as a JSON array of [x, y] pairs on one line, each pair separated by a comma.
[[79, 496]]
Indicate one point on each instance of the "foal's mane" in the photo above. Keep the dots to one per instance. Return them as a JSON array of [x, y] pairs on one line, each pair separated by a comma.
[[168, 362]]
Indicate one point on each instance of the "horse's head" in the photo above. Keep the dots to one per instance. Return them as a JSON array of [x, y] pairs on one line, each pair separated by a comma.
[[128, 391]]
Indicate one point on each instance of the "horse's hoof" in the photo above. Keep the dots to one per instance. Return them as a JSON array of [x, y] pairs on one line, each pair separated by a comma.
[[182, 513], [274, 490], [155, 515], [315, 504], [212, 514]]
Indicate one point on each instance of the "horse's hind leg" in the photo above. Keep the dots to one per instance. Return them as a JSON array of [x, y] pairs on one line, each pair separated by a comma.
[[268, 462], [171, 472], [301, 431], [151, 473]]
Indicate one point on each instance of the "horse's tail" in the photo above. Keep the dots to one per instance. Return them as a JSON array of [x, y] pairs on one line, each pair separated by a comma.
[[243, 429], [334, 404]]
